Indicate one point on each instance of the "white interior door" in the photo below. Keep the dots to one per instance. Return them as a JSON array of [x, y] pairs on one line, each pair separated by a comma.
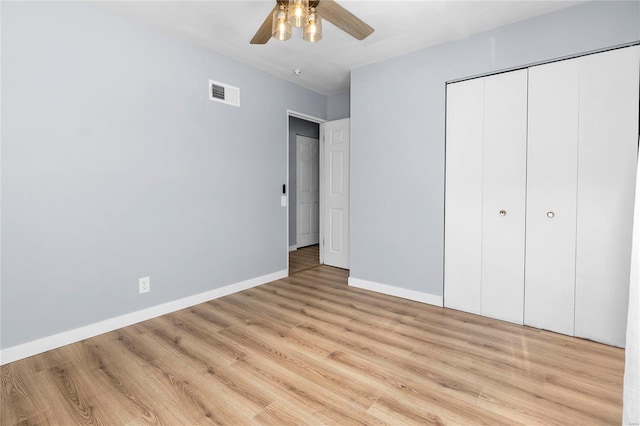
[[504, 189], [607, 163], [307, 192], [552, 187], [336, 193], [463, 196]]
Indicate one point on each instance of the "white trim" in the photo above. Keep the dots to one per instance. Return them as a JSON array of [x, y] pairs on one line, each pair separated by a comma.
[[35, 347], [417, 296], [291, 113], [1, 184], [293, 248], [322, 189]]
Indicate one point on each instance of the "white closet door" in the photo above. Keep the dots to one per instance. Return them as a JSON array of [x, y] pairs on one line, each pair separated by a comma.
[[552, 164], [504, 180], [606, 168], [463, 195]]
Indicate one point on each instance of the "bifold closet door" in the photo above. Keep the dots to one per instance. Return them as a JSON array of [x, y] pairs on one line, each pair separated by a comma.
[[485, 195], [607, 160], [463, 195], [503, 195], [552, 186]]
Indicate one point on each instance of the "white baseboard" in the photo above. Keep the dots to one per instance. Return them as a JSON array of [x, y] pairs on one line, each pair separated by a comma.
[[293, 248], [397, 291], [35, 347]]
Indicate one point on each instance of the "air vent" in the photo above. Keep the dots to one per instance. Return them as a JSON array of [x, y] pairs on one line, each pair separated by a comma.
[[224, 93], [217, 91]]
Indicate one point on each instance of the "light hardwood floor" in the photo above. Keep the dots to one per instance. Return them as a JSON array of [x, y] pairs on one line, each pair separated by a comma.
[[308, 349], [304, 258]]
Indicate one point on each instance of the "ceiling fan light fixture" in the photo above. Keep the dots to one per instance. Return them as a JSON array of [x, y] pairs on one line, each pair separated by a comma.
[[298, 10], [313, 28], [280, 28], [277, 24]]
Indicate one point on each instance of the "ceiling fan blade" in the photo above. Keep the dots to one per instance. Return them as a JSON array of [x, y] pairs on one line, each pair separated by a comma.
[[263, 34], [343, 19]]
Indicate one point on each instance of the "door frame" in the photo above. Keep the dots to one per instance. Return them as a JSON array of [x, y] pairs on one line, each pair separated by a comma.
[[320, 122]]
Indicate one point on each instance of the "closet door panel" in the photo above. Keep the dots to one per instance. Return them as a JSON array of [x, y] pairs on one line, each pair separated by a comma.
[[503, 210], [606, 170], [552, 166], [463, 195]]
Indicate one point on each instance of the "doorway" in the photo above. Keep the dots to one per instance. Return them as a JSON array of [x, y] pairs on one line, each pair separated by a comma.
[[333, 177], [304, 176]]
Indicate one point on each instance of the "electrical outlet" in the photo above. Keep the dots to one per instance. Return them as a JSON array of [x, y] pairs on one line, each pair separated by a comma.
[[144, 285]]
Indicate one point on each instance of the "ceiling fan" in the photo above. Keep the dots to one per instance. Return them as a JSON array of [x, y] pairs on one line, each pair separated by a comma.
[[308, 14]]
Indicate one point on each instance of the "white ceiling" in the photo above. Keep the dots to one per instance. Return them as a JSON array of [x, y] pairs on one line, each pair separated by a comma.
[[400, 27]]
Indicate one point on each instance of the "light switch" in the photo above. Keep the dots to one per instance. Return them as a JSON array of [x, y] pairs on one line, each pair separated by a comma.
[[283, 200]]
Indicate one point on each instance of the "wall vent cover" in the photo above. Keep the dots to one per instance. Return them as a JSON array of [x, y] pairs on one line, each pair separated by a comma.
[[225, 93]]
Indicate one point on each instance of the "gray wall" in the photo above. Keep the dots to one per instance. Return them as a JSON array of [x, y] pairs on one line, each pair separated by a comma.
[[297, 126], [115, 166], [398, 136], [339, 106]]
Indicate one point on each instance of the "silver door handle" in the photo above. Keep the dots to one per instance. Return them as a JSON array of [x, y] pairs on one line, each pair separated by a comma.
[[550, 215], [503, 212]]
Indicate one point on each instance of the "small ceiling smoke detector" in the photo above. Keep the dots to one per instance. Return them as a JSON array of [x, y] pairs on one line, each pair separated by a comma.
[[297, 72]]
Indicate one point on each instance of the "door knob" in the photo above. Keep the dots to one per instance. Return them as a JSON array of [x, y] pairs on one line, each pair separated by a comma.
[[550, 215], [503, 212]]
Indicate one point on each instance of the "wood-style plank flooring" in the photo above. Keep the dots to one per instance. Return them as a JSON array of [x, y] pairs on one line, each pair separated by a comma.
[[304, 258], [308, 349]]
